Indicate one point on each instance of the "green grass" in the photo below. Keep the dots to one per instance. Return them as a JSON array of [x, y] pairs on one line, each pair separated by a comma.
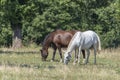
[[26, 64]]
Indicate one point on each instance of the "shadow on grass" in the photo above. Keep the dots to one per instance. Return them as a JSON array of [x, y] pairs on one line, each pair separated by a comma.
[[19, 52], [40, 66]]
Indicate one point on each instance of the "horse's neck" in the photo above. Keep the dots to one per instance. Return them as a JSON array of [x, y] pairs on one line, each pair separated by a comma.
[[71, 46], [73, 43], [46, 44]]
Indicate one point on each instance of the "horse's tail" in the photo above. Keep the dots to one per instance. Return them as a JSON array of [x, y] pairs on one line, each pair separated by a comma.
[[99, 44]]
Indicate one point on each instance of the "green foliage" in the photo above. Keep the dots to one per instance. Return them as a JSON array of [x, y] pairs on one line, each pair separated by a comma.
[[5, 36], [109, 20], [39, 17]]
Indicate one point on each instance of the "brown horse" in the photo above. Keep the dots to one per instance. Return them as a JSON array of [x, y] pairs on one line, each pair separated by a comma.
[[58, 39]]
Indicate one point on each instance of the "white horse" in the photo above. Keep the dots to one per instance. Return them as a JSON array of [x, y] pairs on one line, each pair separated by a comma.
[[83, 40]]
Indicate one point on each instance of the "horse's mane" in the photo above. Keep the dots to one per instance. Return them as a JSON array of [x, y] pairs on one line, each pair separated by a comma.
[[50, 34], [46, 37], [72, 40]]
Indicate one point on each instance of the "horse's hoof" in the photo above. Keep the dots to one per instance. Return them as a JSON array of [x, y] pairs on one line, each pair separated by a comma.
[[84, 61], [74, 63], [61, 61], [52, 60]]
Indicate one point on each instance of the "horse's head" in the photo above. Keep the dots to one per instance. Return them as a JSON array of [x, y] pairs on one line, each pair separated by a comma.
[[44, 54], [67, 57]]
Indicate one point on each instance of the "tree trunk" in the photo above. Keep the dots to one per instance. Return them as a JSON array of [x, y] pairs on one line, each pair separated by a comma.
[[17, 36]]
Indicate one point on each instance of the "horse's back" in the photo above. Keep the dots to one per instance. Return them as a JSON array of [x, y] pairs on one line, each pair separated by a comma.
[[89, 38], [89, 34], [62, 38]]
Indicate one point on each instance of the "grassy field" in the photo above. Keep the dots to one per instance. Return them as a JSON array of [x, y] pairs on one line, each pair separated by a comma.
[[26, 64]]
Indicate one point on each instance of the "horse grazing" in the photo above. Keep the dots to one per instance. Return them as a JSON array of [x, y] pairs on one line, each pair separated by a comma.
[[58, 39], [83, 40]]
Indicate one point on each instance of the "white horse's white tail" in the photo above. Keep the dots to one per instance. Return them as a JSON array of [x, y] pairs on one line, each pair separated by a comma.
[[99, 44]]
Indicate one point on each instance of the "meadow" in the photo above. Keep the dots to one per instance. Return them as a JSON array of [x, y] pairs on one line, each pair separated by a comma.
[[26, 64]]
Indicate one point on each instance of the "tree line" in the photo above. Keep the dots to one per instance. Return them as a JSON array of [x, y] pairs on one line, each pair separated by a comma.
[[23, 22]]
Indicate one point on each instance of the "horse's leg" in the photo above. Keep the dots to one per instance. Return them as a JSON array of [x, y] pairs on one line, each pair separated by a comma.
[[79, 52], [95, 54], [83, 53], [76, 57], [60, 52], [88, 54], [54, 52]]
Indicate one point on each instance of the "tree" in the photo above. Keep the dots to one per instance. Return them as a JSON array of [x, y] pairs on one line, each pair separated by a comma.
[[108, 19], [12, 10]]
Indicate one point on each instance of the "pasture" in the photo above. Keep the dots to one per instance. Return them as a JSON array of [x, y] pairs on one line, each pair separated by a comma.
[[26, 64]]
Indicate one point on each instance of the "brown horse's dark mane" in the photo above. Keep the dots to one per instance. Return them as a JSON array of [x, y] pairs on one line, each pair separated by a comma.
[[48, 37], [45, 40]]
